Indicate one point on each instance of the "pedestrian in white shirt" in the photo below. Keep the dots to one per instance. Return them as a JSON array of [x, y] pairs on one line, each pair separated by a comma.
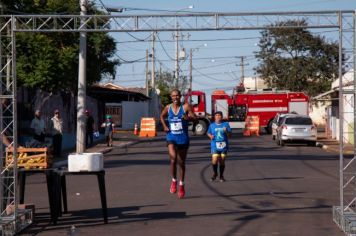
[[57, 133]]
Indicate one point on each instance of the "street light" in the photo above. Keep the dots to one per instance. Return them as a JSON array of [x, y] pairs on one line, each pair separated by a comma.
[[191, 7], [115, 9], [191, 64]]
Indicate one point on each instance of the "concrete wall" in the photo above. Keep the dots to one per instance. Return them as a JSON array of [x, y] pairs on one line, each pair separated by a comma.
[[348, 114], [67, 105], [318, 113], [132, 113], [47, 103]]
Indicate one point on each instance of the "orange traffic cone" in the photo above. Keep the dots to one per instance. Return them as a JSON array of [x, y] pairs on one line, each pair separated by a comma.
[[135, 129]]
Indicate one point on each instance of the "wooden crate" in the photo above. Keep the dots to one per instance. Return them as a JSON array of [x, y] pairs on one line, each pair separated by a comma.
[[30, 158]]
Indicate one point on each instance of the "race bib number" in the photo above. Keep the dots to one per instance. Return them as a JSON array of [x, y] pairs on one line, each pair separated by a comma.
[[176, 126], [220, 145]]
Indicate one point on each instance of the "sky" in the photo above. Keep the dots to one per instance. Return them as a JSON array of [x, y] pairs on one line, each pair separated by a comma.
[[216, 65]]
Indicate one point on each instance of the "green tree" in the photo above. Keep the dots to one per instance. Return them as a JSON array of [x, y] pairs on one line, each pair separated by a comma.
[[50, 60], [296, 60], [166, 82]]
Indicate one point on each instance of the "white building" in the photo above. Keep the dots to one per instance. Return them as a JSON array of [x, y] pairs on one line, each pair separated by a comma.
[[254, 83], [332, 111], [126, 105]]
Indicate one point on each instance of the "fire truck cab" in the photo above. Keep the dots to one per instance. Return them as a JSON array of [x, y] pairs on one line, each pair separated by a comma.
[[235, 108], [197, 100]]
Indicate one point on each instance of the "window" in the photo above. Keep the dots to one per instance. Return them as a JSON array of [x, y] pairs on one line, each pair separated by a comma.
[[194, 100], [298, 121]]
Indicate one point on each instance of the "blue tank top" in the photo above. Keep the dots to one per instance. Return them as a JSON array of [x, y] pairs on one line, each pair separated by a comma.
[[178, 127]]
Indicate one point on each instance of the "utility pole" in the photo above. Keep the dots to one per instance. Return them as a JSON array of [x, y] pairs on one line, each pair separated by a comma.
[[80, 145], [177, 57], [160, 71], [190, 69], [191, 65], [242, 70], [153, 82], [147, 90], [241, 87], [242, 66]]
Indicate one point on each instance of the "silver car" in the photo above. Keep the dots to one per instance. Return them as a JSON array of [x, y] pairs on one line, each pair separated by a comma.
[[296, 128], [277, 122]]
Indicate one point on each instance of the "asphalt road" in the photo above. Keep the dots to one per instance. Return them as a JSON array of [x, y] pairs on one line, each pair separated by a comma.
[[270, 190]]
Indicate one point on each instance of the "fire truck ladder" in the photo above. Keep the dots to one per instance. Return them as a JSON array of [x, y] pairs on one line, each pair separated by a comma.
[[343, 21]]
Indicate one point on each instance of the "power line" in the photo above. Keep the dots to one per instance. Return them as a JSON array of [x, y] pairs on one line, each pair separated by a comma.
[[209, 48], [215, 40], [213, 66], [164, 48], [136, 74], [138, 39], [196, 40], [128, 61], [162, 64], [156, 10], [208, 76], [202, 58], [216, 88]]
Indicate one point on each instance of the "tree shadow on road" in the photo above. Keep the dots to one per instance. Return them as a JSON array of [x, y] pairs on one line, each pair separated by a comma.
[[93, 217], [275, 194], [264, 179]]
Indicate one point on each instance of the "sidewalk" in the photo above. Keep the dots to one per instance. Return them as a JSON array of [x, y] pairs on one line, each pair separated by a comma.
[[121, 140], [333, 145]]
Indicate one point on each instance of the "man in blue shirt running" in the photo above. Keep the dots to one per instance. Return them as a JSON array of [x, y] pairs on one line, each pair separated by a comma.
[[218, 133], [178, 115]]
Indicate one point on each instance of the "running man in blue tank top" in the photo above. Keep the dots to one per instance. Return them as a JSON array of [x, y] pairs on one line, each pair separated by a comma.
[[218, 133], [178, 115]]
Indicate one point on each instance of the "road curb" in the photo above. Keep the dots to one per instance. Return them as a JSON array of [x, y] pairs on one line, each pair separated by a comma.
[[109, 149], [336, 149]]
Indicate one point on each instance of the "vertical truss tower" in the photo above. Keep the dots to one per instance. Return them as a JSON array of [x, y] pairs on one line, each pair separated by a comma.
[[345, 214]]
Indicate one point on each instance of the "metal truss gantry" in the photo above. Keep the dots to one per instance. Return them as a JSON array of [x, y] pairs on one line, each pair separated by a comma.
[[343, 21]]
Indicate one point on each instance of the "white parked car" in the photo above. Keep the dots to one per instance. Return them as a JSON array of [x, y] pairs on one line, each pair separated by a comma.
[[296, 128], [276, 122]]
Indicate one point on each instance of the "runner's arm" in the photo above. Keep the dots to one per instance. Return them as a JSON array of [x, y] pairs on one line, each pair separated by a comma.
[[209, 133], [163, 116], [191, 115], [210, 136], [228, 130]]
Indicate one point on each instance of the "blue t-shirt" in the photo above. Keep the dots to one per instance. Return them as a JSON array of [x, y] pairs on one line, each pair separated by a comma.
[[178, 127], [220, 141]]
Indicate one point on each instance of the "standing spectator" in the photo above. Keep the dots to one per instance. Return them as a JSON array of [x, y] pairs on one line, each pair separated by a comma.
[[109, 128], [38, 127], [57, 132], [89, 129]]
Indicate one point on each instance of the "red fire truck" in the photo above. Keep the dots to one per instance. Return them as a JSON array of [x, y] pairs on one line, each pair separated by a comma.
[[235, 108]]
